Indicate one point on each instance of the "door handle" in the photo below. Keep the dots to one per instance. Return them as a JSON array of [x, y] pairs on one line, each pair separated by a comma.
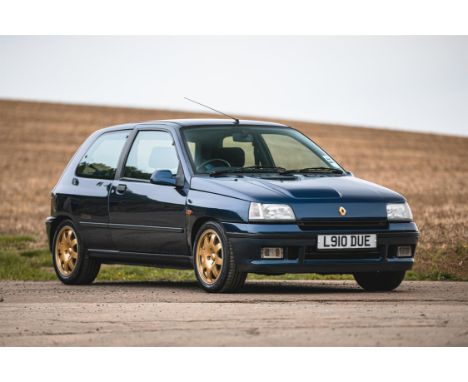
[[121, 188]]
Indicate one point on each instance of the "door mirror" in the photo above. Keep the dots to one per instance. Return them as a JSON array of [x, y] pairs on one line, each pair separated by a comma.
[[163, 178]]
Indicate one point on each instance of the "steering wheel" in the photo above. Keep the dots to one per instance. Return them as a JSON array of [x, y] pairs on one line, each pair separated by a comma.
[[202, 165]]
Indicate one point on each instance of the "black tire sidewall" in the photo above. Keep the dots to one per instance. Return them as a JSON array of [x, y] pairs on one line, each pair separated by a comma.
[[227, 253], [380, 281], [76, 272]]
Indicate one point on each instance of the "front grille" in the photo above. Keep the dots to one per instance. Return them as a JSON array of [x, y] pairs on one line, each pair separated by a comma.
[[342, 224], [311, 253]]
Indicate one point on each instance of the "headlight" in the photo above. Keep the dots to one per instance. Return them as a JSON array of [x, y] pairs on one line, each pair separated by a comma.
[[259, 211], [399, 212]]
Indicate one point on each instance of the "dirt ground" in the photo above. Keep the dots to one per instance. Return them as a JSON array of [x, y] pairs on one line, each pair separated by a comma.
[[265, 313]]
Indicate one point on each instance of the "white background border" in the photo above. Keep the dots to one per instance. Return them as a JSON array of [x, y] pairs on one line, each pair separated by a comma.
[[241, 17], [233, 364]]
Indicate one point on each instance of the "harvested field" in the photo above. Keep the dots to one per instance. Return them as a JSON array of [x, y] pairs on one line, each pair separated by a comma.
[[37, 140]]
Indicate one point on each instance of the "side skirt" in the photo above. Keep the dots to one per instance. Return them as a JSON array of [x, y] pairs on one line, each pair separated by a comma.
[[146, 259]]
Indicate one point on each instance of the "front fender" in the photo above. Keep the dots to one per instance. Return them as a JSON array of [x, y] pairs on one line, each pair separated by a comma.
[[203, 206]]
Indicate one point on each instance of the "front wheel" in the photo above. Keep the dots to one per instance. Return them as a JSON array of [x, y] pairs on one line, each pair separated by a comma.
[[379, 281], [214, 263]]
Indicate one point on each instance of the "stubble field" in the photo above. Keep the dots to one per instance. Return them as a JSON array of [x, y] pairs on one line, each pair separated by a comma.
[[38, 139]]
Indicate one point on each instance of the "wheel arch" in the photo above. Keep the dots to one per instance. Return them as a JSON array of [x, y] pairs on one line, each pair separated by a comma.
[[53, 228], [196, 227]]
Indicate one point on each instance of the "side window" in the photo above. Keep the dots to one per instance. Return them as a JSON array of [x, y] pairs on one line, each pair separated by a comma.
[[102, 157], [151, 151]]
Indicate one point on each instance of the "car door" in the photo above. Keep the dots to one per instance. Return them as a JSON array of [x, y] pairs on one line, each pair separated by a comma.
[[90, 188], [145, 217]]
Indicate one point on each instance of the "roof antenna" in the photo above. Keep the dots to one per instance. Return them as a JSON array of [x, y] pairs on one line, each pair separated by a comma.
[[236, 120]]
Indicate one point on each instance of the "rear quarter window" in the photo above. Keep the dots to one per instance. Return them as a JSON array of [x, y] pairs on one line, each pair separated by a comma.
[[101, 159]]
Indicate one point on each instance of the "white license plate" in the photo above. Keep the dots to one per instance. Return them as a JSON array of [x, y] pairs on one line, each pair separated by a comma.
[[346, 241]]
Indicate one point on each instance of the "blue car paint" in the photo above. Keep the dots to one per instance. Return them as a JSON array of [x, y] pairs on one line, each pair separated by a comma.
[[162, 233]]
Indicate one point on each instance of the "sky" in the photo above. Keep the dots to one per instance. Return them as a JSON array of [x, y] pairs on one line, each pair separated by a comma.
[[410, 83]]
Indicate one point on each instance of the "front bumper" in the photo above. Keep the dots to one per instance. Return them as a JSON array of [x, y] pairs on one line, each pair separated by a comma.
[[301, 255]]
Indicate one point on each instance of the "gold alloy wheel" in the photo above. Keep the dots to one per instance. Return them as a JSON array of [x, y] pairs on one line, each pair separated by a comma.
[[66, 250], [209, 256]]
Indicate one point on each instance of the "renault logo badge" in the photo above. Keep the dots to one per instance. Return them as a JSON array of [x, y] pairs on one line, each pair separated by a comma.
[[342, 211]]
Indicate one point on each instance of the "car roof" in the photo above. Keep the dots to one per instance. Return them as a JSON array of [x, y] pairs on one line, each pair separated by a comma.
[[179, 123], [215, 122]]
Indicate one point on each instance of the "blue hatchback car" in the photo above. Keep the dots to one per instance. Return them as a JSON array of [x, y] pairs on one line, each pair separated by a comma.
[[225, 198]]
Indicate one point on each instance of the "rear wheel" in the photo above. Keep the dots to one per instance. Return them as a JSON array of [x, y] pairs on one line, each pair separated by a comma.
[[214, 263], [379, 281], [72, 264]]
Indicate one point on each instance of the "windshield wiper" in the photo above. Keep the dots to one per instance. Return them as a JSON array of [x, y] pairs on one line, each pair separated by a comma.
[[261, 168], [248, 169], [316, 170]]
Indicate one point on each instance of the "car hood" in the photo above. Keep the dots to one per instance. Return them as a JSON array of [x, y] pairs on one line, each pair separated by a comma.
[[317, 197], [300, 189]]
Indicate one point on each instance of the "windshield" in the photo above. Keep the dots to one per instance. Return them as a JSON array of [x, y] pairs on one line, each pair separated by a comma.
[[216, 149]]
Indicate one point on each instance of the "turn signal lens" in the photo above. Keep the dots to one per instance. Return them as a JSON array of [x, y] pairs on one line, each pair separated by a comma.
[[272, 253], [404, 251]]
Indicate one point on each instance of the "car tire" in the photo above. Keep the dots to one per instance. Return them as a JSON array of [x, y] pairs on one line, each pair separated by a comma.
[[72, 264], [379, 281], [213, 259]]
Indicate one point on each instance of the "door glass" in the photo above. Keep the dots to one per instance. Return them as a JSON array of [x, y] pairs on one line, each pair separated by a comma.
[[151, 151], [102, 157]]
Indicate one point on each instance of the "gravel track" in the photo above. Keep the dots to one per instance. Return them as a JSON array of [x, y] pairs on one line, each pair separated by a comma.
[[265, 313]]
